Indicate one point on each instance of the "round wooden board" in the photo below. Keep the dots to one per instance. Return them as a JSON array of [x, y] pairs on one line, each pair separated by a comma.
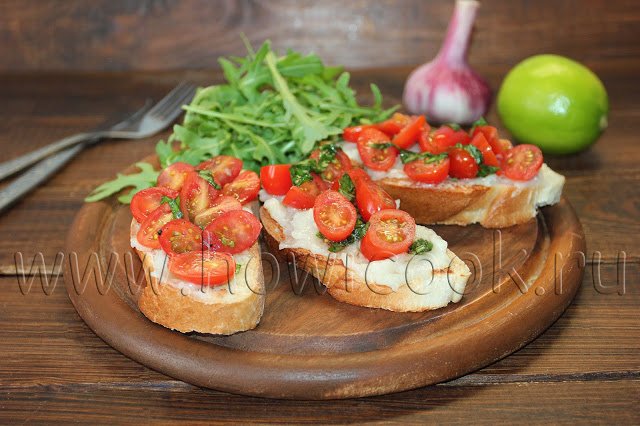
[[309, 346]]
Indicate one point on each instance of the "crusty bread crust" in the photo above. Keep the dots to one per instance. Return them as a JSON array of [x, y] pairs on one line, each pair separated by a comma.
[[167, 306], [346, 287], [496, 206]]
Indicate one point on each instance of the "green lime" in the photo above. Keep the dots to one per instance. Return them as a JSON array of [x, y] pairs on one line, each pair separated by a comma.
[[553, 102]]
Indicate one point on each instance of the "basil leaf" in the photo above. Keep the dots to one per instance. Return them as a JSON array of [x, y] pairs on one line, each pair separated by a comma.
[[486, 170], [206, 175], [453, 126], [472, 150], [421, 246], [382, 145], [174, 204], [479, 122], [356, 235], [346, 187], [409, 156]]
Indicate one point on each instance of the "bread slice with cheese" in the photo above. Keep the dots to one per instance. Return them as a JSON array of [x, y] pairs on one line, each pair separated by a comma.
[[492, 201], [186, 307], [404, 283]]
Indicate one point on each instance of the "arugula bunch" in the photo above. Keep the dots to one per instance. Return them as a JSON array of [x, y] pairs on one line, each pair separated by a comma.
[[270, 110]]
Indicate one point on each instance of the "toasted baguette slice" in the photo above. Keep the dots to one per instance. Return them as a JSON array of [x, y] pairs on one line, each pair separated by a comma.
[[492, 201], [186, 307], [348, 285]]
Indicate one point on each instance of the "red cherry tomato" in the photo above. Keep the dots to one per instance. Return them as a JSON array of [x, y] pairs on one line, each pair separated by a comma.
[[500, 147], [196, 195], [203, 267], [224, 168], [147, 200], [488, 157], [351, 134], [357, 174], [522, 162], [276, 179], [410, 133], [462, 164], [373, 157], [434, 171], [390, 232], [334, 215], [244, 188], [150, 227], [233, 232], [220, 205], [174, 175], [336, 168], [489, 132], [394, 125], [180, 236], [442, 139], [371, 198], [303, 196]]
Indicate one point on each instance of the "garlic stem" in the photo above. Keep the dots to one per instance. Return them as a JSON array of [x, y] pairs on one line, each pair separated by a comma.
[[454, 48]]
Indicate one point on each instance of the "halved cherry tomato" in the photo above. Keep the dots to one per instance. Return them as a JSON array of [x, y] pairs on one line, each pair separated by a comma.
[[488, 157], [223, 168], [147, 200], [410, 133], [334, 215], [150, 227], [373, 157], [174, 175], [220, 205], [522, 162], [351, 134], [463, 165], [431, 171], [489, 132], [303, 196], [233, 232], [180, 236], [244, 188], [371, 198], [394, 125], [196, 195], [336, 168], [203, 267], [357, 174], [442, 139], [276, 179], [390, 232], [500, 147]]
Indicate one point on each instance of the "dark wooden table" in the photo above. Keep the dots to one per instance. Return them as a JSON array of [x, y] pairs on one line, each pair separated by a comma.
[[586, 367]]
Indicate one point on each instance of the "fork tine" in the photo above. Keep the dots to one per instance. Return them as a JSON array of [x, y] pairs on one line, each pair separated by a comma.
[[177, 92], [177, 100], [135, 116]]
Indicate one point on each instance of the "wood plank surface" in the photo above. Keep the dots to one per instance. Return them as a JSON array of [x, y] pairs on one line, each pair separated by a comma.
[[161, 34]]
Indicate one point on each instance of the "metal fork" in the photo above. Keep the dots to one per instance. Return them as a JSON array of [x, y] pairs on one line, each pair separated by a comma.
[[45, 168], [153, 121]]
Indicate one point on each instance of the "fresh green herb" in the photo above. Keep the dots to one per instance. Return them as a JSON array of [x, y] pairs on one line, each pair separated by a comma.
[[382, 145], [175, 206], [453, 126], [472, 150], [486, 170], [145, 178], [238, 268], [356, 235], [206, 175], [479, 122], [421, 246], [270, 110], [346, 187], [409, 156], [301, 171]]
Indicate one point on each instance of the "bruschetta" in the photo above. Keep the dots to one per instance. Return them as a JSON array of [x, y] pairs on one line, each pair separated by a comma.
[[354, 239], [196, 234], [450, 176]]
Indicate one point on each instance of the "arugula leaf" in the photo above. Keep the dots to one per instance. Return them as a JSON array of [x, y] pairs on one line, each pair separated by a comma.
[[145, 178], [269, 110], [420, 246], [174, 204], [356, 235], [346, 187]]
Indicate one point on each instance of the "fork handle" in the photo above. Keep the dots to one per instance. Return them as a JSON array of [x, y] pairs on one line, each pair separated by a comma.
[[13, 166], [36, 175]]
